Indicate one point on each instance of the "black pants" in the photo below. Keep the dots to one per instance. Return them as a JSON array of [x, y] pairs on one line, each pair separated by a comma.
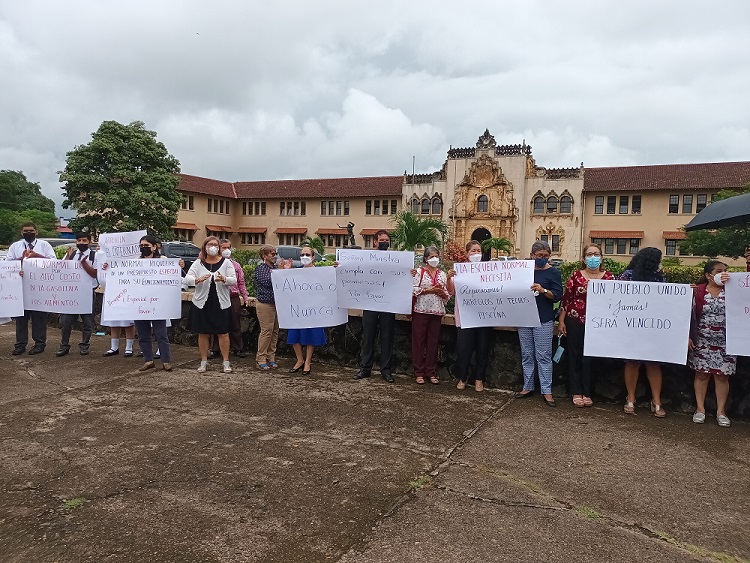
[[38, 329], [66, 324], [579, 366], [235, 336], [370, 322], [469, 341]]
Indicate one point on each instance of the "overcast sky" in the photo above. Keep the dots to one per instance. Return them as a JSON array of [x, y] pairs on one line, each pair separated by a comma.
[[249, 90]]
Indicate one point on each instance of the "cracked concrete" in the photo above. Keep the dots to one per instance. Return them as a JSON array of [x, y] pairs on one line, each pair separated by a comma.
[[103, 463]]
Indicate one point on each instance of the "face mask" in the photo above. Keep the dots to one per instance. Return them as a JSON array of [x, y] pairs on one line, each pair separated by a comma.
[[82, 247], [146, 251], [226, 253], [434, 261], [717, 279], [212, 250], [540, 262], [593, 261], [475, 257], [29, 237], [383, 245], [305, 260]]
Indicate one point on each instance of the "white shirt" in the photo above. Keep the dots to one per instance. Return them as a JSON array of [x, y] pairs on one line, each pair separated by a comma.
[[77, 256], [222, 289], [16, 250]]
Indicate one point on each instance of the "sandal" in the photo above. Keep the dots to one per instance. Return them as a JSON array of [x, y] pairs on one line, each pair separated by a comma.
[[434, 380], [479, 385], [147, 366], [273, 365], [420, 380], [264, 367], [629, 408], [578, 401], [461, 384], [658, 411], [587, 402]]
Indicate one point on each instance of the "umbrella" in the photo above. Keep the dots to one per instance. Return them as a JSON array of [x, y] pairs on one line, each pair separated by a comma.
[[731, 211]]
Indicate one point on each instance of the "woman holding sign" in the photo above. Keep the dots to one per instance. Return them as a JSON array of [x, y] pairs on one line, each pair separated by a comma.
[[536, 342], [645, 266], [430, 295], [708, 342], [265, 308], [211, 309], [307, 337], [573, 322]]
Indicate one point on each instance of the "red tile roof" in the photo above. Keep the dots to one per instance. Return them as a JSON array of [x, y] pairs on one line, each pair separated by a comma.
[[323, 187], [331, 232], [220, 228], [196, 184], [291, 230], [616, 234], [715, 175], [673, 235], [255, 230], [189, 226]]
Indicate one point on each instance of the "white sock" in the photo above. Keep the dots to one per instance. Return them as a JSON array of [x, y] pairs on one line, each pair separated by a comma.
[[128, 344], [115, 344], [204, 363], [226, 364]]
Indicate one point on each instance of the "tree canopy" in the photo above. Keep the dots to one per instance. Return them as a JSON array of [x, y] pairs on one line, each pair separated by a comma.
[[727, 241], [316, 243], [412, 230], [22, 201], [499, 245], [123, 180]]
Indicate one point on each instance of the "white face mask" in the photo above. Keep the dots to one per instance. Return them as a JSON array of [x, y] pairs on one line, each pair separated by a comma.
[[434, 261], [212, 250], [717, 279], [226, 253], [305, 260], [475, 257]]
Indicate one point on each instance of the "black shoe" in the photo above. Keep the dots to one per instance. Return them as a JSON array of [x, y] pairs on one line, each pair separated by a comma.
[[62, 352], [128, 354], [388, 377], [520, 395], [361, 374], [140, 354], [18, 350], [240, 354], [306, 372], [36, 350], [111, 353], [211, 355], [551, 403], [84, 351], [295, 370]]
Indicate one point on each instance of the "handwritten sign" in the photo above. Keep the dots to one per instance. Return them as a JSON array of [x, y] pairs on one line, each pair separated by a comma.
[[737, 292], [638, 320], [11, 289], [306, 298], [146, 290], [56, 286], [496, 293], [375, 280], [121, 245]]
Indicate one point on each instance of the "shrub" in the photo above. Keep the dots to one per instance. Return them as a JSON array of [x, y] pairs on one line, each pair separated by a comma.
[[567, 268], [60, 251], [249, 270], [242, 255]]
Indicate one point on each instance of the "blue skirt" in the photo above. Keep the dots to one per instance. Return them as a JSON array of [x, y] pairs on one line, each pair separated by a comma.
[[306, 336]]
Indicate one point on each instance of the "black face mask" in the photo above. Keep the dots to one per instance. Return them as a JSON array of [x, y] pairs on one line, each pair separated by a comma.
[[82, 247], [29, 237], [383, 245], [146, 251]]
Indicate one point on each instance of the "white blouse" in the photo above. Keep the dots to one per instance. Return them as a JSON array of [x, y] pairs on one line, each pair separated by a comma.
[[201, 289], [429, 303]]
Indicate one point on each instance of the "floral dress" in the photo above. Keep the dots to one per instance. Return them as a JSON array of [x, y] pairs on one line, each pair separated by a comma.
[[709, 352]]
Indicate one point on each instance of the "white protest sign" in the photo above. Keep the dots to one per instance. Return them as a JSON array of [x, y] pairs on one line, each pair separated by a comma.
[[638, 320], [56, 286], [11, 289], [496, 293], [306, 298], [147, 290], [121, 245], [737, 295], [375, 280]]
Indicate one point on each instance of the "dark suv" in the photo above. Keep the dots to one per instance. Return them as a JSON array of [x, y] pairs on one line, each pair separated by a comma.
[[185, 250]]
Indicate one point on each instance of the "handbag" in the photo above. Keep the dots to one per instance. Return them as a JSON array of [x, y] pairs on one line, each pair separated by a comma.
[[559, 352], [414, 297]]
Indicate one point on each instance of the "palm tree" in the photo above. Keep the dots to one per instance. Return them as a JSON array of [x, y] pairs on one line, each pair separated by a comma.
[[412, 231], [498, 244], [316, 243]]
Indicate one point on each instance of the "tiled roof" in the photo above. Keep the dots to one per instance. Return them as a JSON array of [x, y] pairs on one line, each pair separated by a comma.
[[220, 228], [616, 234], [323, 187], [715, 175], [196, 184], [188, 226], [291, 230], [331, 232], [254, 230], [673, 235]]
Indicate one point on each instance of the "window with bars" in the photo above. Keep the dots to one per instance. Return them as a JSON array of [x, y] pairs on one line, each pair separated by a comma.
[[552, 204], [635, 208], [701, 200], [674, 203], [599, 205], [687, 203], [566, 204], [611, 204], [538, 205], [624, 204], [670, 247]]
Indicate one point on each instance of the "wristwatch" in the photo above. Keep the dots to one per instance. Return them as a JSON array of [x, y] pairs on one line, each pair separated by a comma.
[[545, 291]]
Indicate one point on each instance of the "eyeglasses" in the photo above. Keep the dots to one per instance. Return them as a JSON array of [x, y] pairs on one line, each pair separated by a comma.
[[589, 254], [541, 255], [273, 254], [304, 254]]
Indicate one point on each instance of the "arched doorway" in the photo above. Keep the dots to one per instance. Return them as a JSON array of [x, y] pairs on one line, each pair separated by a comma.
[[481, 234]]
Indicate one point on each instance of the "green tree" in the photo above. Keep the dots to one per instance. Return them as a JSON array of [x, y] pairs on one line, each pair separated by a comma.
[[498, 244], [123, 180], [727, 241], [22, 201], [412, 230], [316, 243]]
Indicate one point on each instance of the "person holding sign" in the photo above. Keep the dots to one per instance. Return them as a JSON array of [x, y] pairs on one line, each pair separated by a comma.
[[307, 337], [30, 247], [85, 256], [211, 309], [536, 342], [708, 343], [645, 266], [430, 295], [470, 340], [572, 323], [265, 308]]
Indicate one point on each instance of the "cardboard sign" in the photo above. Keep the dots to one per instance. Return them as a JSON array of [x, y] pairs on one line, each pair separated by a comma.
[[496, 293], [11, 289], [638, 320], [737, 295], [56, 286], [375, 280], [121, 245], [306, 298], [147, 289]]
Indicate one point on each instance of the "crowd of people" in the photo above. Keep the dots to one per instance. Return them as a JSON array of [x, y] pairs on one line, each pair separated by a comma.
[[220, 293]]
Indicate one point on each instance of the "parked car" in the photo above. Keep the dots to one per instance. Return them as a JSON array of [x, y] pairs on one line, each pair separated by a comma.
[[287, 252], [556, 262], [504, 258], [185, 250]]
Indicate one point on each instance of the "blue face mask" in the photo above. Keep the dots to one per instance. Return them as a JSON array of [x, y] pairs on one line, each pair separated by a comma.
[[540, 262], [593, 261]]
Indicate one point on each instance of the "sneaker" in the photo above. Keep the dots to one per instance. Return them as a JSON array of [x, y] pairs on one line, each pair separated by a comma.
[[723, 420], [227, 368], [699, 417], [203, 367]]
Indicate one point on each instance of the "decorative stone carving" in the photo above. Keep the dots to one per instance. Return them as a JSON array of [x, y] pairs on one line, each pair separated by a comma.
[[486, 141]]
